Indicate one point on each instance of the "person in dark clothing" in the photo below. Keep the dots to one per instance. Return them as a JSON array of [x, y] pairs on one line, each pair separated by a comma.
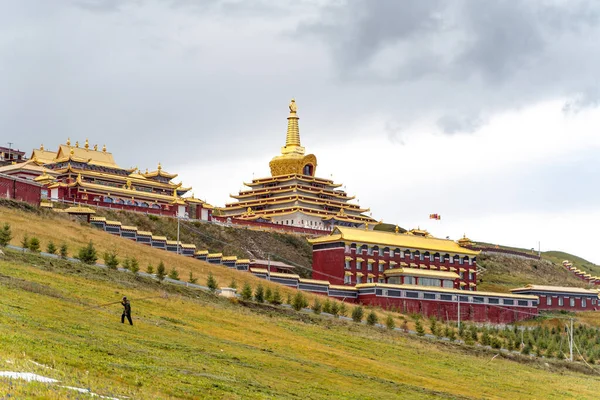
[[126, 311]]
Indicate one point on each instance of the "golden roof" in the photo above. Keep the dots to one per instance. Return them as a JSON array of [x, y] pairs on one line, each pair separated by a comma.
[[201, 252], [544, 288], [215, 255], [173, 242], [116, 223], [144, 233], [159, 172], [284, 275], [98, 219], [243, 261], [188, 246], [318, 282], [129, 228], [292, 176], [28, 165], [229, 258], [41, 156], [259, 270], [400, 240], [340, 287], [161, 238], [90, 156], [424, 273]]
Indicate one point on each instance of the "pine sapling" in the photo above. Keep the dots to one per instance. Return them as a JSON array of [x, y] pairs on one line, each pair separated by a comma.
[[51, 248], [64, 249], [5, 235], [246, 292], [34, 244], [161, 272], [259, 294], [390, 323], [372, 318], [174, 274], [212, 283], [192, 279]]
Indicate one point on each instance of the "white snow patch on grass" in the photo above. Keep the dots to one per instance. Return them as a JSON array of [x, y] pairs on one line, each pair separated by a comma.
[[28, 376]]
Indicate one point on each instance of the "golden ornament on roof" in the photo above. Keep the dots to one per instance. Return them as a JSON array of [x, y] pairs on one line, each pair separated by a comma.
[[104, 148], [42, 147], [68, 141], [397, 230], [293, 107], [95, 147], [77, 144], [159, 166], [87, 144]]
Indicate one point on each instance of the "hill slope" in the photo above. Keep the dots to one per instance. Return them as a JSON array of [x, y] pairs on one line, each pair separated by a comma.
[[190, 345]]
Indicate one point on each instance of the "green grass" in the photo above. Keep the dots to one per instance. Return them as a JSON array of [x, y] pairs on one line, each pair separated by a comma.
[[189, 344]]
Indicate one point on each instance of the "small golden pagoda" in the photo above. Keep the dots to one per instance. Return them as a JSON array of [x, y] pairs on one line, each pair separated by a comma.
[[293, 195]]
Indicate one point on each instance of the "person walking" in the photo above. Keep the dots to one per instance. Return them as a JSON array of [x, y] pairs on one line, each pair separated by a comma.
[[126, 311]]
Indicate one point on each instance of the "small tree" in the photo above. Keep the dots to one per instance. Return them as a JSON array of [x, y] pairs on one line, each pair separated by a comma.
[[63, 250], [51, 248], [87, 254], [246, 292], [5, 235], [233, 284], [259, 294], [268, 295], [111, 260], [192, 279], [25, 242], [334, 309], [390, 323], [327, 306], [161, 272], [433, 326], [211, 282], [357, 314], [316, 306], [276, 298], [419, 327], [150, 269], [174, 274], [343, 309], [288, 299], [126, 263], [372, 318], [34, 244], [298, 301], [134, 265]]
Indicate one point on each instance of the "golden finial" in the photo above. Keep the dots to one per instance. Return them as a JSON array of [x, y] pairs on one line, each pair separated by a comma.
[[104, 148], [293, 107], [397, 230], [68, 141], [159, 166], [87, 144], [366, 226], [72, 151], [42, 147], [77, 143], [95, 147], [146, 170]]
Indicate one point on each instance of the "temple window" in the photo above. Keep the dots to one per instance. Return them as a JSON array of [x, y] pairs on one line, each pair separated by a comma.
[[583, 303], [347, 265], [359, 265], [470, 276], [381, 267], [370, 251], [560, 301], [369, 266], [572, 302], [548, 300], [447, 283], [369, 280], [391, 253], [347, 280], [410, 280]]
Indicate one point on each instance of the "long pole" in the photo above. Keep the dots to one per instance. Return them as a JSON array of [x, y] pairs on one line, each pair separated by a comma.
[[458, 298], [571, 341], [269, 267], [177, 232]]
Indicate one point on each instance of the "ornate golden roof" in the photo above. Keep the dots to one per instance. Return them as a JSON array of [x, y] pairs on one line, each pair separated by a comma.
[[400, 240], [159, 172], [87, 155]]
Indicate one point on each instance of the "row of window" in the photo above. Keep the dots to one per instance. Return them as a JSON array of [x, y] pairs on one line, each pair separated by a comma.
[[561, 301], [381, 267], [454, 298], [415, 255]]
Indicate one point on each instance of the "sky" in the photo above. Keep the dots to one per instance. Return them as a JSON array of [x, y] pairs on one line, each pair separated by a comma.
[[486, 112]]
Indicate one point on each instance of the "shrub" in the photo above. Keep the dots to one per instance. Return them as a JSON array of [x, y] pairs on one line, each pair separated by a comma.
[[485, 338], [334, 309], [51, 248], [327, 306], [288, 299], [246, 292], [161, 271], [212, 283], [372, 318], [447, 330], [233, 284], [63, 250], [433, 326], [34, 244], [298, 302], [25, 242], [419, 327], [343, 309], [150, 269], [87, 254], [5, 235], [526, 349], [451, 334], [276, 298], [126, 264], [111, 260], [357, 314], [259, 294], [192, 279], [461, 330], [390, 323], [174, 274], [268, 295], [317, 306], [134, 265]]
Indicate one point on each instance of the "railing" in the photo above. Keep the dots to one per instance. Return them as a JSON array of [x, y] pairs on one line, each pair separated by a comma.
[[487, 249]]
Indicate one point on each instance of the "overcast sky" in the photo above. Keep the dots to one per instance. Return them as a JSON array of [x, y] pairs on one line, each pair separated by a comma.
[[485, 112]]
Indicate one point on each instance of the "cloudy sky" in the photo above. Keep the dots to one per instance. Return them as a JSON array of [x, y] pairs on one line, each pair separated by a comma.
[[483, 111]]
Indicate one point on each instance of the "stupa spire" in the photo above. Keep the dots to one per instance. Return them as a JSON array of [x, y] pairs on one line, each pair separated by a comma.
[[292, 138]]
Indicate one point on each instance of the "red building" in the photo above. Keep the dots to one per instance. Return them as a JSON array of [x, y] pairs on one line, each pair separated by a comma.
[[9, 156], [350, 256], [25, 190], [562, 298]]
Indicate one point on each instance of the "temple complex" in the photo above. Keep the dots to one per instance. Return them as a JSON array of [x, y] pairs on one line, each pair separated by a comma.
[[293, 195], [87, 175]]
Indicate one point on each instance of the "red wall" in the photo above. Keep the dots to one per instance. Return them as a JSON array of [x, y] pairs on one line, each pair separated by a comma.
[[566, 303], [19, 189], [447, 310], [328, 265]]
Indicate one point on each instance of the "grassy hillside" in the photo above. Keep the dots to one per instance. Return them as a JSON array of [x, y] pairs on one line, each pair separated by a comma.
[[559, 256], [193, 345], [244, 243], [504, 273]]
